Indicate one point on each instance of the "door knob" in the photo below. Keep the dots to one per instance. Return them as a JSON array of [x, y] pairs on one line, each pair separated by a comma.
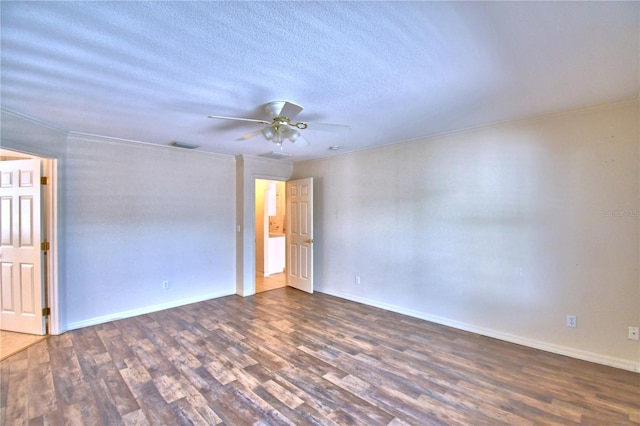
[[310, 240]]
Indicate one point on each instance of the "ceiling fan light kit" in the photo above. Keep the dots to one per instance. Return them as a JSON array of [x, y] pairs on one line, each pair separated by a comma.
[[280, 128], [279, 132]]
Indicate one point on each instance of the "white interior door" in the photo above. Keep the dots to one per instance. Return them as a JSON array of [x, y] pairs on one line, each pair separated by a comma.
[[299, 236], [21, 284]]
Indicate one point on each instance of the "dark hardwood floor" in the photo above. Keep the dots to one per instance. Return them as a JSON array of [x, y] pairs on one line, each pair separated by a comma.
[[286, 357]]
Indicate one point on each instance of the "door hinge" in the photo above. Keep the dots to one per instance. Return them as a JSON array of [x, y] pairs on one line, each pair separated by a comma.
[[45, 246], [44, 180], [46, 312]]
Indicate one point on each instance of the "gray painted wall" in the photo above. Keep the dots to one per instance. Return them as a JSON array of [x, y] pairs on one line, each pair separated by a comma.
[[502, 230], [131, 216]]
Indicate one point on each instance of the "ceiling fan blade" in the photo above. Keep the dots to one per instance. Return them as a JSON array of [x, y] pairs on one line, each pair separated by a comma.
[[249, 135], [326, 127], [253, 120], [290, 110]]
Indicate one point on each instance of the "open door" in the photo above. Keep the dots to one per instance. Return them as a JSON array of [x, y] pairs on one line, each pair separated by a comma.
[[21, 283], [300, 234]]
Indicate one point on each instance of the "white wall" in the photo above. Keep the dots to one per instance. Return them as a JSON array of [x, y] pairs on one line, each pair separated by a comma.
[[502, 230], [131, 216]]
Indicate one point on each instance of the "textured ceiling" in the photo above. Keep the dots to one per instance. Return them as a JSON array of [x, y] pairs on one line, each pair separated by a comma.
[[393, 71]]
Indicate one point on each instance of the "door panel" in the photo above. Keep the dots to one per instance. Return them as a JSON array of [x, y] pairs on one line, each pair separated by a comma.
[[27, 288], [6, 298], [300, 234], [21, 289], [26, 222], [304, 264]]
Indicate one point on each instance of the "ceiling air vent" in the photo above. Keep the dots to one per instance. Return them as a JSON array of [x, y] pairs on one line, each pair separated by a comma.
[[183, 145], [275, 155]]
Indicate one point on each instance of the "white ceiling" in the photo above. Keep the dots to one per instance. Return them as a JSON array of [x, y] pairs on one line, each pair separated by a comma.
[[393, 71]]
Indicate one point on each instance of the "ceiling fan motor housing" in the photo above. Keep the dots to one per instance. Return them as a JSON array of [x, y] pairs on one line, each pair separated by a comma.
[[277, 108]]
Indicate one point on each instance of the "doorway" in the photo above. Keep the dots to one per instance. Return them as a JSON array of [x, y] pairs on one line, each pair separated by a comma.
[[37, 314], [270, 239]]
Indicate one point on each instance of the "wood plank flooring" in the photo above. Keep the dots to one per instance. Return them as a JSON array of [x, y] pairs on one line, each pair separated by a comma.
[[285, 357]]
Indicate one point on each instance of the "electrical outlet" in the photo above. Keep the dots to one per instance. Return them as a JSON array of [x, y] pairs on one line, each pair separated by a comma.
[[165, 284], [634, 333], [572, 321], [357, 279]]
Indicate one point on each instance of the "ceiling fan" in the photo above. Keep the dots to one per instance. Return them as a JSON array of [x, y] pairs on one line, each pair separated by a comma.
[[280, 126]]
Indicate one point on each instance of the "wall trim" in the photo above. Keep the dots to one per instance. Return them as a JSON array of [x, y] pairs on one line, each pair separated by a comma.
[[90, 137], [496, 334], [109, 140], [52, 236], [606, 106], [4, 110], [257, 159], [148, 309]]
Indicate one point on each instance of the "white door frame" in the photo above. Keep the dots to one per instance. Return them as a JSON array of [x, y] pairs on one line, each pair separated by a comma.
[[265, 250], [50, 202], [248, 169]]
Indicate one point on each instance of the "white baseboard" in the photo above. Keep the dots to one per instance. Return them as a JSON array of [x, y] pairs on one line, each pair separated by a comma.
[[147, 309], [496, 334]]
